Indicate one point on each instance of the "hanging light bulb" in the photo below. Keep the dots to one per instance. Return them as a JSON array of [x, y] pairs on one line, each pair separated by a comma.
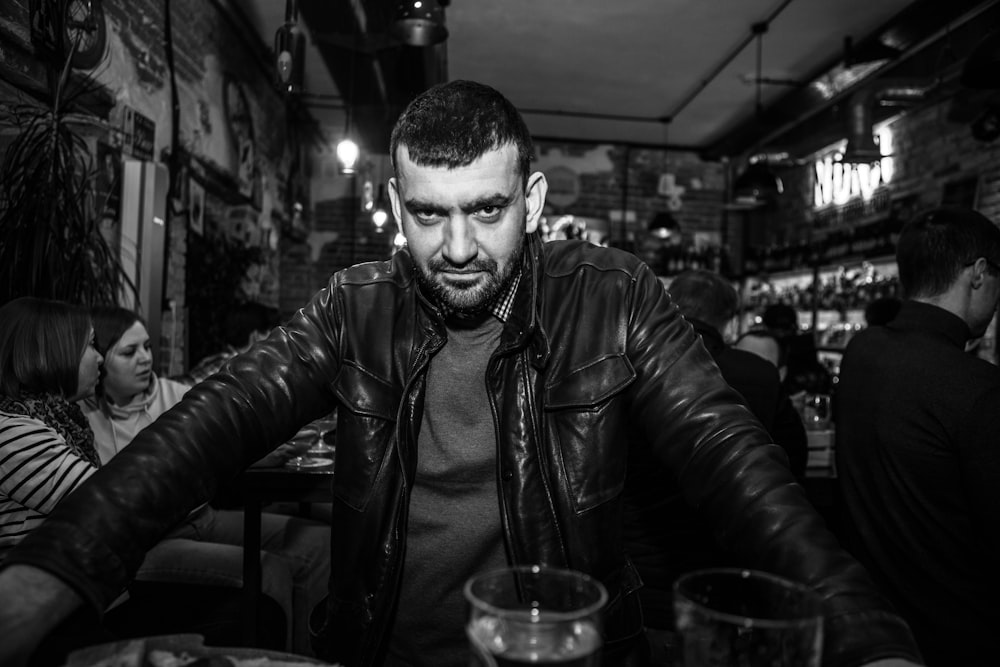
[[380, 215], [367, 196], [347, 156]]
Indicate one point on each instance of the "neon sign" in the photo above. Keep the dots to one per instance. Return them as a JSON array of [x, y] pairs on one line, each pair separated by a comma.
[[838, 183]]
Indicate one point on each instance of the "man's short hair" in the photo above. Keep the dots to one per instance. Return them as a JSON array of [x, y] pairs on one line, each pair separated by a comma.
[[452, 124], [936, 245], [704, 295]]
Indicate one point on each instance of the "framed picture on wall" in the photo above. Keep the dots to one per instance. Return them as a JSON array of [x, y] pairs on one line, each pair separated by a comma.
[[196, 207]]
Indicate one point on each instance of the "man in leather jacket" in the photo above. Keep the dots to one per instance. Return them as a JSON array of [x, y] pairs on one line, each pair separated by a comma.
[[579, 357]]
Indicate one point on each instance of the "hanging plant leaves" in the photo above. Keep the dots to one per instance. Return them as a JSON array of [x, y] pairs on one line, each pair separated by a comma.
[[50, 240]]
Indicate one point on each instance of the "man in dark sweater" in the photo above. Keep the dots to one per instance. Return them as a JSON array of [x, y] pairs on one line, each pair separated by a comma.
[[917, 424]]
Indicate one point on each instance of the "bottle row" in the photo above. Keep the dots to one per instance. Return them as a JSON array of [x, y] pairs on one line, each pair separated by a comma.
[[669, 260], [876, 239], [839, 290]]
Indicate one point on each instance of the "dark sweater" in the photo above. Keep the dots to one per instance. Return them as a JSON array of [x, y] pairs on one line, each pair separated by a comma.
[[758, 382], [919, 468]]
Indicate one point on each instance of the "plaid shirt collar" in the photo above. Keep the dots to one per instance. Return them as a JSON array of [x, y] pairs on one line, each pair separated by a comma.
[[500, 308]]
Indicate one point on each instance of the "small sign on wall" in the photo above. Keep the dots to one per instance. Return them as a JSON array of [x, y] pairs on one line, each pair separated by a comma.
[[138, 134]]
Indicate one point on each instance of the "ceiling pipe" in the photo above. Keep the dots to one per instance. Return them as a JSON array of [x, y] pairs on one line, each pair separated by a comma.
[[804, 109], [724, 63]]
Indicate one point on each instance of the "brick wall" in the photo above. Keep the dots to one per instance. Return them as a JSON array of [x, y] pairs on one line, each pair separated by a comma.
[[930, 153]]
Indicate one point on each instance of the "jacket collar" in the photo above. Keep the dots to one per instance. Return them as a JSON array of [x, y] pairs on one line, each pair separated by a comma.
[[920, 316], [523, 325]]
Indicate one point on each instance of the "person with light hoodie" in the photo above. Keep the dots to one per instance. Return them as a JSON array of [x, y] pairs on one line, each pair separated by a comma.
[[129, 397]]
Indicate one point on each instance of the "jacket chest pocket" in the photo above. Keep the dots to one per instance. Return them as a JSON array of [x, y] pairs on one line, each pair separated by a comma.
[[587, 422], [366, 426]]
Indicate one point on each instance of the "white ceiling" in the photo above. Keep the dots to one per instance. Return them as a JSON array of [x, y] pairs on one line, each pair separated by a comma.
[[560, 60], [644, 57]]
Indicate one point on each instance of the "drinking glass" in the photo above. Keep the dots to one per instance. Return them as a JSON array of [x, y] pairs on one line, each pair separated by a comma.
[[817, 412], [745, 617], [534, 615]]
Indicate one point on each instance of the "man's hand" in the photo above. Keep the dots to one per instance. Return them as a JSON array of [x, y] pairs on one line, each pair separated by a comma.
[[34, 602]]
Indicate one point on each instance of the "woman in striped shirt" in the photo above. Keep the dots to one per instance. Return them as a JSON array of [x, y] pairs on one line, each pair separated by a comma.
[[47, 362]]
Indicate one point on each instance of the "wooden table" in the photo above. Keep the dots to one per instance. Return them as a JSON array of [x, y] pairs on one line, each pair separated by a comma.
[[265, 483]]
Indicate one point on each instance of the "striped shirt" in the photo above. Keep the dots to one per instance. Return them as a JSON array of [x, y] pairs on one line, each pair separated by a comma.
[[37, 470]]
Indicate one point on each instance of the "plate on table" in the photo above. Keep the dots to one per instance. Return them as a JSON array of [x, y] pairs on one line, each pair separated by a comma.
[[180, 651], [308, 462]]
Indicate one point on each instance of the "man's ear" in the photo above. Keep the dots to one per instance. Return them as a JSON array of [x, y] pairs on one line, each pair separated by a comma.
[[397, 209], [979, 269], [534, 196]]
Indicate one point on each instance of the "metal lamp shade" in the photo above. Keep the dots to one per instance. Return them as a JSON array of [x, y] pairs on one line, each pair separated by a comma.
[[664, 225], [419, 23], [757, 183], [290, 57]]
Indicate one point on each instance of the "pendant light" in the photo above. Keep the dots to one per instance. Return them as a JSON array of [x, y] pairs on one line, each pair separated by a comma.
[[348, 152], [664, 225], [758, 185], [419, 23], [380, 215], [290, 52]]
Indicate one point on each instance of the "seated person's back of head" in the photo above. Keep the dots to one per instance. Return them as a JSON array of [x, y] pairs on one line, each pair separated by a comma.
[[765, 344], [47, 362]]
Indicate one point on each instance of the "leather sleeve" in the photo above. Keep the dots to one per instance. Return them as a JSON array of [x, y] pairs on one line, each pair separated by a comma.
[[728, 469], [97, 537]]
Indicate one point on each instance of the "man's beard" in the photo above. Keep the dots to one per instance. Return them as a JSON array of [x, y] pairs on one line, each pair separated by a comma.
[[474, 299]]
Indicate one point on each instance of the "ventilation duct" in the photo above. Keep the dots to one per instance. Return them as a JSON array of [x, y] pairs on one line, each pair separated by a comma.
[[861, 145]]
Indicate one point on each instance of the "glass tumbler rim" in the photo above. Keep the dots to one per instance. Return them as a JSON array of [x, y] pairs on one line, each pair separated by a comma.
[[550, 615], [746, 573]]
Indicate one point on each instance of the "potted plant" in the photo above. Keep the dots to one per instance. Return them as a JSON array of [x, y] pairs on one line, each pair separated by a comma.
[[51, 245]]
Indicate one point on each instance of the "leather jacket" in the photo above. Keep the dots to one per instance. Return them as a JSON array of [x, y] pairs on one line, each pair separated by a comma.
[[593, 360]]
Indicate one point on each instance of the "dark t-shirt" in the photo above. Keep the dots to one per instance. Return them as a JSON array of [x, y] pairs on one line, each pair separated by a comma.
[[453, 528]]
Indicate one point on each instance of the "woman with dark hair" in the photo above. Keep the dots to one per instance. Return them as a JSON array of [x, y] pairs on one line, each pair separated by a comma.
[[47, 362]]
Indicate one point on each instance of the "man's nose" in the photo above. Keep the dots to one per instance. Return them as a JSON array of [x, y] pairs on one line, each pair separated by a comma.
[[459, 241]]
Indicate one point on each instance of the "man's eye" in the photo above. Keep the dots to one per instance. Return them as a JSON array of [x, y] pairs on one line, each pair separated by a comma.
[[425, 217], [489, 213]]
